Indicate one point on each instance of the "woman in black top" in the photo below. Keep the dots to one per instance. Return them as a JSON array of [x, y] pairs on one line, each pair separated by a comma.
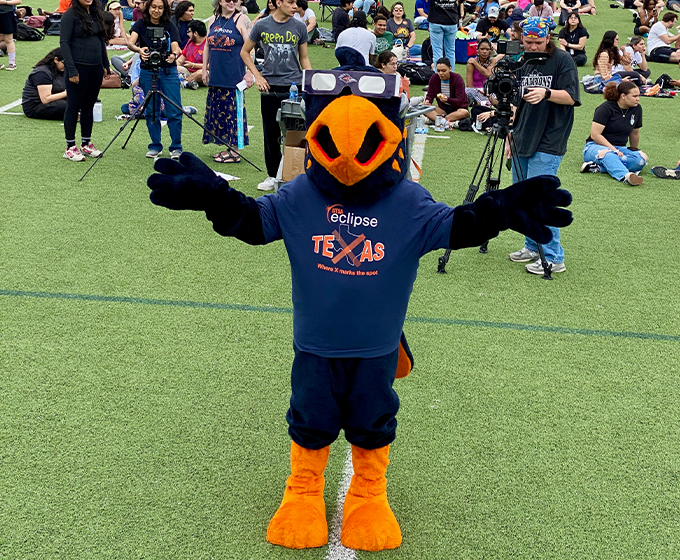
[[616, 123], [572, 38], [82, 44], [156, 16], [44, 95]]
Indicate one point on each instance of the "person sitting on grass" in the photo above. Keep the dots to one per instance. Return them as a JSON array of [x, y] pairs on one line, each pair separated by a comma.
[[120, 37], [664, 173], [635, 51], [307, 16], [479, 69], [616, 123], [572, 38], [448, 89], [44, 95], [190, 62], [659, 41]]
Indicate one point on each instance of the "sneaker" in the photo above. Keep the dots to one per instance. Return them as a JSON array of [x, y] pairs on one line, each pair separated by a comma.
[[590, 167], [537, 267], [174, 154], [415, 101], [73, 154], [2, 66], [664, 173], [11, 66], [454, 124], [154, 153], [523, 255], [190, 109], [632, 179], [90, 151], [267, 185], [191, 85]]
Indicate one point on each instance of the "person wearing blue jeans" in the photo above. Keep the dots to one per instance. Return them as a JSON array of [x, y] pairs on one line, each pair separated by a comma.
[[542, 125], [364, 5], [443, 17], [156, 15], [168, 83], [616, 124], [540, 164]]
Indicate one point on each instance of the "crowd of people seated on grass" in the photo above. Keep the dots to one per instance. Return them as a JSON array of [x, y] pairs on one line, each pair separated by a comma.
[[64, 83]]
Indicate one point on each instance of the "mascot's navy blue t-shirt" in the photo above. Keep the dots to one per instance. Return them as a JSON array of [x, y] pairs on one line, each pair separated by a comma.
[[353, 268]]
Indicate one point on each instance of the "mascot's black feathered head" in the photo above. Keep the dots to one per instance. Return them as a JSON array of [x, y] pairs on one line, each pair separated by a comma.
[[355, 130]]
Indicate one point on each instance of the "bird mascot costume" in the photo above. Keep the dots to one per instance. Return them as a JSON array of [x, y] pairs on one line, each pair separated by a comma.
[[354, 228]]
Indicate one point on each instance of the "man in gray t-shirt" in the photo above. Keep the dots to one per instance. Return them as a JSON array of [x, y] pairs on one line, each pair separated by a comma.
[[284, 41]]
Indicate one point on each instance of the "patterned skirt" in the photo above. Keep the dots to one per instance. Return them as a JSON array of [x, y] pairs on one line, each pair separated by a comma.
[[220, 117]]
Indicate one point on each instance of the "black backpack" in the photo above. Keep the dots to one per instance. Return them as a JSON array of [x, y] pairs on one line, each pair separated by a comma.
[[664, 81], [26, 33], [418, 74], [52, 25], [252, 7]]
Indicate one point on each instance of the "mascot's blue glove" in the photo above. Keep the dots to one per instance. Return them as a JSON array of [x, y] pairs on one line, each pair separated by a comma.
[[189, 184], [527, 207]]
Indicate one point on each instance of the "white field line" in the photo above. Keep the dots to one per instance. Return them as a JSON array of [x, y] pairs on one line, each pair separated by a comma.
[[335, 549], [11, 106]]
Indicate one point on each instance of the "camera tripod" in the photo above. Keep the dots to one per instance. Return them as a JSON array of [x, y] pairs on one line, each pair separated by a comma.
[[491, 166], [153, 96]]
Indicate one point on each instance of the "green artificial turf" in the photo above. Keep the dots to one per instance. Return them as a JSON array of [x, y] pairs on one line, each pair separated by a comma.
[[144, 361]]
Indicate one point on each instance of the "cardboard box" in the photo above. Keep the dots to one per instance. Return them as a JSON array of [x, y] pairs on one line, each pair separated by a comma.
[[293, 155]]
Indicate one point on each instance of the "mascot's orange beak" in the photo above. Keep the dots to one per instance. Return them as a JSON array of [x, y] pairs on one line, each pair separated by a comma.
[[351, 138]]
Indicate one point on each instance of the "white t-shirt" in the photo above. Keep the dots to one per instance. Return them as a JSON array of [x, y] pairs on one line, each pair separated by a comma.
[[653, 40], [359, 39], [304, 19], [636, 59]]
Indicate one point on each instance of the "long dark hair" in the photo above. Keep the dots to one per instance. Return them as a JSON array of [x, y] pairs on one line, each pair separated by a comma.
[[607, 45], [163, 20], [579, 25], [109, 26], [48, 60], [83, 14]]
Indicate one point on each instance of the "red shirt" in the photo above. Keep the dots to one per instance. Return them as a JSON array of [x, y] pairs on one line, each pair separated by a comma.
[[194, 53]]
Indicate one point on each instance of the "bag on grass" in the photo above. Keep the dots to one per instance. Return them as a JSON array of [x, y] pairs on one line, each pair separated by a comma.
[[35, 21], [111, 81], [418, 73], [26, 33], [52, 25]]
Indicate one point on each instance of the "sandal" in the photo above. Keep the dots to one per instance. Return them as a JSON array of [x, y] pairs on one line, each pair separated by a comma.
[[226, 157]]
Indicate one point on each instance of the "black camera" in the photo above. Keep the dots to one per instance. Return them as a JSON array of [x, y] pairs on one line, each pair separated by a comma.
[[158, 48], [503, 83]]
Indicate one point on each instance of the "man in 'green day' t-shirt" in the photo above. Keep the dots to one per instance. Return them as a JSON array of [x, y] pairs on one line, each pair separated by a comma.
[[284, 40]]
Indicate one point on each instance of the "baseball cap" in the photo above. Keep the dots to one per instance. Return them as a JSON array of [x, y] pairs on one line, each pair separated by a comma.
[[114, 5], [493, 12]]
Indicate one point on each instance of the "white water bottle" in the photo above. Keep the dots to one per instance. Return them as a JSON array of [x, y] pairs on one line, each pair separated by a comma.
[[293, 92], [97, 111]]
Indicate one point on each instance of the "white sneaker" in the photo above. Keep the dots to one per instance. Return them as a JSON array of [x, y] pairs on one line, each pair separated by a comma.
[[415, 101], [90, 151], [154, 153], [267, 185], [73, 154], [523, 255], [537, 267]]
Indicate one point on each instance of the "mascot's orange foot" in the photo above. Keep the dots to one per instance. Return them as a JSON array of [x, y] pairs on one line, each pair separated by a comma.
[[300, 521], [368, 522]]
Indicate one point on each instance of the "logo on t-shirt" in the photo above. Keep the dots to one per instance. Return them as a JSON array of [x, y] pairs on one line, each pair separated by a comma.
[[346, 243], [536, 79]]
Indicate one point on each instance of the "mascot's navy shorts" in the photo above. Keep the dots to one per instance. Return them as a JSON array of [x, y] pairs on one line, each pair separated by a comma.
[[353, 394]]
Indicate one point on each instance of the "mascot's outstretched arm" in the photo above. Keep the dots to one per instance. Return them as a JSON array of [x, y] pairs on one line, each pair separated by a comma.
[[189, 184], [526, 207]]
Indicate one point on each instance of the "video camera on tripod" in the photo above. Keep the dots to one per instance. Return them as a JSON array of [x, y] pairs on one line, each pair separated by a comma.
[[504, 84], [159, 48]]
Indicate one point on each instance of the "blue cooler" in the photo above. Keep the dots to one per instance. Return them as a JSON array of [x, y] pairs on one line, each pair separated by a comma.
[[465, 49]]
